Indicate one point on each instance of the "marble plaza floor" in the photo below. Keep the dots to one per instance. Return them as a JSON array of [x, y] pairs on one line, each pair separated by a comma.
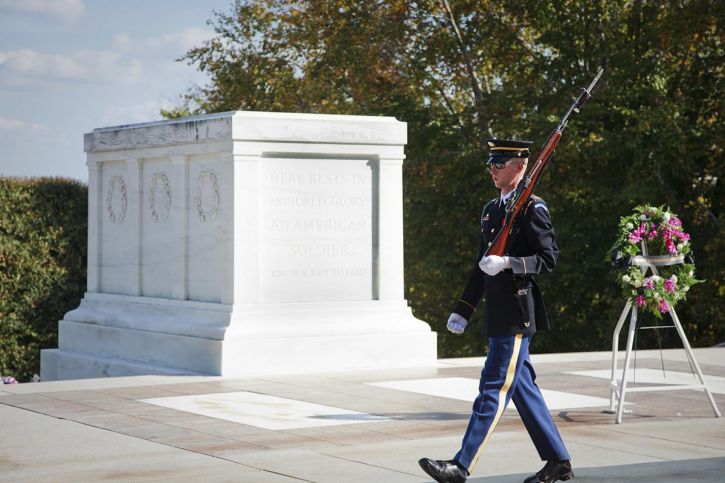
[[364, 426]]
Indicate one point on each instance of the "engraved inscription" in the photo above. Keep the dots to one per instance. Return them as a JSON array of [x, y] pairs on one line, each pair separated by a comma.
[[316, 225], [320, 273], [160, 197], [116, 199], [316, 230]]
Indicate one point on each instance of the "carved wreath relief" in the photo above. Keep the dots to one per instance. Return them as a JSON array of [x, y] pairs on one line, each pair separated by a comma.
[[207, 196], [160, 197], [116, 199]]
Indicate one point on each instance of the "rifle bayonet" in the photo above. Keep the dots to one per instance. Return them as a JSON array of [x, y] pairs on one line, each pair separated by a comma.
[[584, 94]]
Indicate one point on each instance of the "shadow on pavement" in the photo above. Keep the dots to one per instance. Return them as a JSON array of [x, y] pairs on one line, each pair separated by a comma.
[[708, 470]]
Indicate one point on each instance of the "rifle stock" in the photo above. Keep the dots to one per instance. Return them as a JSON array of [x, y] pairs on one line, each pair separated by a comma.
[[526, 187]]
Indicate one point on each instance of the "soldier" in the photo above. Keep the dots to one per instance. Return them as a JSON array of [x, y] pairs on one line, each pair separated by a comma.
[[514, 311]]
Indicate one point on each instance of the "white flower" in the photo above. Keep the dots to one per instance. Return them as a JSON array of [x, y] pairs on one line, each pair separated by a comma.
[[655, 278], [685, 288], [666, 216], [642, 218], [673, 278], [637, 283], [626, 279], [680, 245], [691, 273], [629, 226]]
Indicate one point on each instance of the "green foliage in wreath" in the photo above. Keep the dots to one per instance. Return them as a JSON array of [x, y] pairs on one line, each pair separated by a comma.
[[660, 232]]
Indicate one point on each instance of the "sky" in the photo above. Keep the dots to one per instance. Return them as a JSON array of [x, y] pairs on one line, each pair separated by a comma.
[[70, 66]]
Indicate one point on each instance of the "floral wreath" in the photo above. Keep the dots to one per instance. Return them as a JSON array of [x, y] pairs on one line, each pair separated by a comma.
[[661, 233]]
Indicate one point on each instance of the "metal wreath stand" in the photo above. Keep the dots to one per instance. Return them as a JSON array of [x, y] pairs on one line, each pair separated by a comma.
[[618, 389]]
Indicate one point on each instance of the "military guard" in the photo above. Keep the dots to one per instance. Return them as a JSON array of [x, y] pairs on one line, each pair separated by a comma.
[[513, 313]]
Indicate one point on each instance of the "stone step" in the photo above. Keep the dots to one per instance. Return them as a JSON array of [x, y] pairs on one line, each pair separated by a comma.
[[183, 353], [60, 364]]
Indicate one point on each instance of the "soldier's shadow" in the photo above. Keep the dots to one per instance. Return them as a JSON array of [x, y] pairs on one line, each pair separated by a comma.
[[429, 416]]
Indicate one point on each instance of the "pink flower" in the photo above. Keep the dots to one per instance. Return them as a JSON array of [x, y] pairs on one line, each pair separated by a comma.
[[648, 283], [640, 301], [635, 235], [663, 306], [671, 247], [669, 285]]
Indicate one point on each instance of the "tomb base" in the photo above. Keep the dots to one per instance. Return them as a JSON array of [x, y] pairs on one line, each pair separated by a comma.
[[116, 335]]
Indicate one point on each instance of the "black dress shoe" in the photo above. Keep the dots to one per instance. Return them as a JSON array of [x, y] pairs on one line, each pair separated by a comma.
[[449, 471], [552, 471]]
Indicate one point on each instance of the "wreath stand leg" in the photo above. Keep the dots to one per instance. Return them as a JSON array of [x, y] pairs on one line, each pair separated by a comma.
[[613, 385], [691, 355], [618, 389]]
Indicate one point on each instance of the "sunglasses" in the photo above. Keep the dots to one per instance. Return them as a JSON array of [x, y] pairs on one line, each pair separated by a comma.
[[500, 165]]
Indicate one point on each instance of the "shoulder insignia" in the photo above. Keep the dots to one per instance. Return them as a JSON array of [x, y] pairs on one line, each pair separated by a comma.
[[536, 202]]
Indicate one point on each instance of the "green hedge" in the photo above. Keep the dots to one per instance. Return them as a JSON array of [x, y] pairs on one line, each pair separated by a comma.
[[43, 227]]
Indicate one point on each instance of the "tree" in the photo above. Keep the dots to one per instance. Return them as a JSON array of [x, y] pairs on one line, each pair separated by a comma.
[[653, 133], [43, 233]]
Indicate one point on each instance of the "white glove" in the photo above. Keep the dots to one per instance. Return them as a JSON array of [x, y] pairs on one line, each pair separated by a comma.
[[494, 264], [456, 323]]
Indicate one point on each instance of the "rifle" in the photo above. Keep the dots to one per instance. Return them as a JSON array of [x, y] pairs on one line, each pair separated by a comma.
[[526, 186]]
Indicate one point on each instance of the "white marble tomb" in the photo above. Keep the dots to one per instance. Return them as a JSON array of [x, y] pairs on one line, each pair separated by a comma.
[[243, 243]]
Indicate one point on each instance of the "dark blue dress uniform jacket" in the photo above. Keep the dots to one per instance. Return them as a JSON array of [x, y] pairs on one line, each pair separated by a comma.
[[532, 251]]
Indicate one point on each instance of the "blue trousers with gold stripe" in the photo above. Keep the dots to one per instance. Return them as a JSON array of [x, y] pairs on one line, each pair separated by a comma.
[[508, 374]]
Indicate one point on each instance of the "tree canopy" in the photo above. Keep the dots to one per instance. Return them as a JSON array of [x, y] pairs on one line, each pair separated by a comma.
[[652, 134]]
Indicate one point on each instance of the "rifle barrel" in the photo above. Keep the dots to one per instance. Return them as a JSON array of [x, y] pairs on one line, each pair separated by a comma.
[[521, 196]]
